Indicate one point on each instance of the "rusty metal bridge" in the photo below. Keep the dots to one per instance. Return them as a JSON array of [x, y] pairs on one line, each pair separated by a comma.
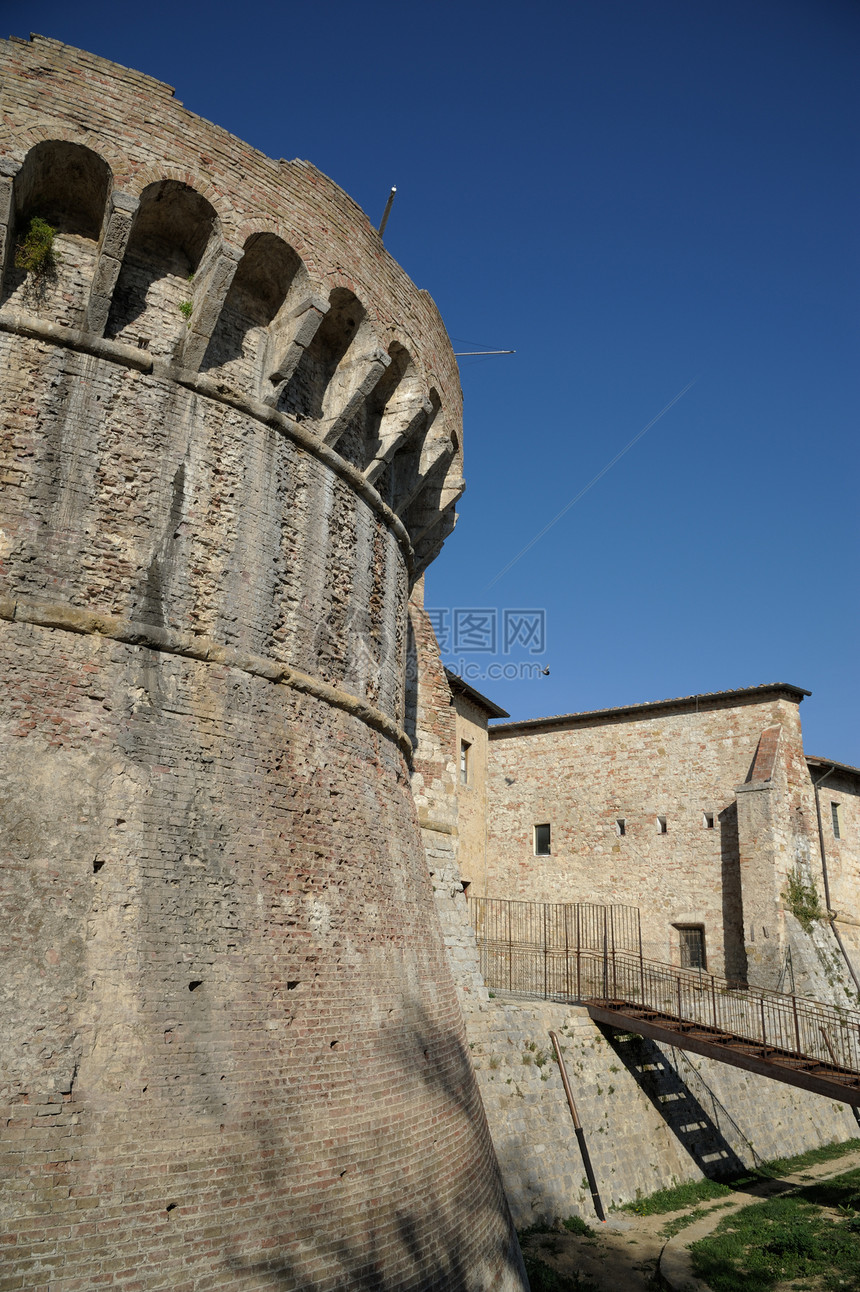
[[592, 955]]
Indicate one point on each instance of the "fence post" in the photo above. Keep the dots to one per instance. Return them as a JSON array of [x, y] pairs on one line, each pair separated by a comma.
[[763, 1027], [714, 1002], [796, 1022], [678, 980]]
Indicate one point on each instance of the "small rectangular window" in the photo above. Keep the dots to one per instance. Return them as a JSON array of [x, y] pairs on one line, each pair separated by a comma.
[[708, 820], [542, 841], [834, 813], [662, 827], [692, 946], [620, 826], [464, 762]]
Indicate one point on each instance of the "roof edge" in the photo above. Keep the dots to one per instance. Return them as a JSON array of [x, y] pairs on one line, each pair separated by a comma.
[[812, 760], [708, 698], [459, 687]]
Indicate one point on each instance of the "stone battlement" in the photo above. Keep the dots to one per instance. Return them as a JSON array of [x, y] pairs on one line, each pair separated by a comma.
[[253, 282]]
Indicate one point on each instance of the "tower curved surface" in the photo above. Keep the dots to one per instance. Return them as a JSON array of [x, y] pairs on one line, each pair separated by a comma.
[[230, 443]]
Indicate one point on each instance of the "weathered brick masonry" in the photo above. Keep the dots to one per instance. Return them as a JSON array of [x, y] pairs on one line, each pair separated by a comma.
[[233, 1054]]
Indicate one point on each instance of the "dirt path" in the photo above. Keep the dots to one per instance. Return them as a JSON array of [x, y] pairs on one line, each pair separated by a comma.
[[621, 1257], [624, 1253]]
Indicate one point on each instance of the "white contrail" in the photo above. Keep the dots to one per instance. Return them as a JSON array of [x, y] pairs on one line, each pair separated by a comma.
[[566, 508]]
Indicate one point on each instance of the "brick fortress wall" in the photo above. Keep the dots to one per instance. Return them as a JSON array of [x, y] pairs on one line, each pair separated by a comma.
[[230, 442]]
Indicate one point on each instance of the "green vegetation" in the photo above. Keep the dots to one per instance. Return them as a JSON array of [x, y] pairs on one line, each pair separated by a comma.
[[543, 1278], [801, 898], [34, 252], [673, 1227], [788, 1165], [696, 1191], [678, 1197], [576, 1225], [185, 309], [787, 1238]]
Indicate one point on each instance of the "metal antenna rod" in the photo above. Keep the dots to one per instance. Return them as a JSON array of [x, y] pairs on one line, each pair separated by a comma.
[[459, 354], [387, 211]]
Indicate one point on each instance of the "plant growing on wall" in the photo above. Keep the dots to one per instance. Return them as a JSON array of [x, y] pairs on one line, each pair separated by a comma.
[[801, 899], [35, 250], [185, 308]]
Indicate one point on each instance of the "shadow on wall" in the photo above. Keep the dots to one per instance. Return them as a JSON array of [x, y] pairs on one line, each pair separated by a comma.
[[410, 713], [707, 1097], [685, 1115], [445, 1240], [734, 951]]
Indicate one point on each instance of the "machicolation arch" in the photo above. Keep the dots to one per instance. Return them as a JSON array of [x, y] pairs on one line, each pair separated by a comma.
[[157, 274]]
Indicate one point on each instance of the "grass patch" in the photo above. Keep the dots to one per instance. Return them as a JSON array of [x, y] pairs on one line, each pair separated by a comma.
[[813, 1234], [827, 1153], [673, 1227], [543, 1278], [696, 1191], [677, 1198], [576, 1225], [541, 1227]]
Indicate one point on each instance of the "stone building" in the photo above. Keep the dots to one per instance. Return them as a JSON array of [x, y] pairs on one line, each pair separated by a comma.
[[233, 1053], [654, 1115], [702, 812]]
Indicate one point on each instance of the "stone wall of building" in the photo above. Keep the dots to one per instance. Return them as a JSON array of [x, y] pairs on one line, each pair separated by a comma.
[[700, 812], [234, 1053], [653, 1116], [471, 745], [433, 725]]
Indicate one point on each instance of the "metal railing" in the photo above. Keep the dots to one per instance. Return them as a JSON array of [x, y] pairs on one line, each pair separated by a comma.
[[791, 1024], [576, 952], [556, 926]]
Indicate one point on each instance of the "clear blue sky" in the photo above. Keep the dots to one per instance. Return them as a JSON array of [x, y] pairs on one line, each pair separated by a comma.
[[631, 195]]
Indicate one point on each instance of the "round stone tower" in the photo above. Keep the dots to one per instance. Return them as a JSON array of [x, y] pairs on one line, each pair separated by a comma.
[[233, 1055]]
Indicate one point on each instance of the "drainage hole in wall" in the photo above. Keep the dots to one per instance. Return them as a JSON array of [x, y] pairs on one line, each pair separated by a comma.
[[97, 865], [198, 982], [293, 984], [333, 1045], [171, 1206]]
